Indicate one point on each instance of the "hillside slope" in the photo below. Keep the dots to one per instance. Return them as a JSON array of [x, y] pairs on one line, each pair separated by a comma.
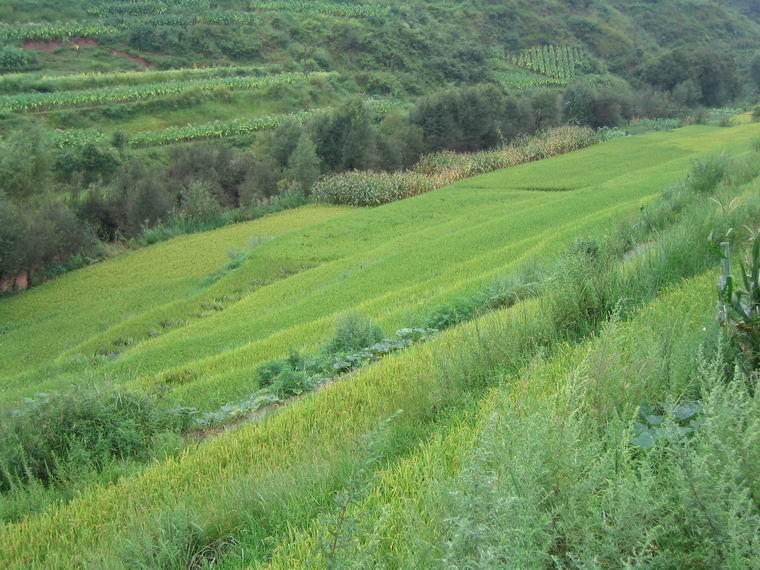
[[166, 318], [422, 42]]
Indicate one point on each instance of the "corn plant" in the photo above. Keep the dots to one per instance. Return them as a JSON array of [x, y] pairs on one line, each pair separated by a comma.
[[739, 309], [557, 62], [215, 130], [322, 7], [126, 93], [54, 30]]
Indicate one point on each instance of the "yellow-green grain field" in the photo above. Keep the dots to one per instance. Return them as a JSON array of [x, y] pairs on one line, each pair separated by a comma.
[[376, 469]]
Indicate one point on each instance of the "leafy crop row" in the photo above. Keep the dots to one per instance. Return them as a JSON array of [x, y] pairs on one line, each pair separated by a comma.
[[18, 82], [214, 130], [558, 62], [129, 9], [324, 8], [55, 31], [121, 94]]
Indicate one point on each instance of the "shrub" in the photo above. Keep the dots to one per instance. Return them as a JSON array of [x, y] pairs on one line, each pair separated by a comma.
[[39, 441], [14, 59], [352, 333], [707, 173]]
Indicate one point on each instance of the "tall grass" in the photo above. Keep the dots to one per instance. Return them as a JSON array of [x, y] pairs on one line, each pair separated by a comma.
[[441, 169], [553, 473]]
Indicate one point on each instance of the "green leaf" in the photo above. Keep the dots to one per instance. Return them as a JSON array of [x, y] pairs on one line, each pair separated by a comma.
[[687, 411], [645, 440]]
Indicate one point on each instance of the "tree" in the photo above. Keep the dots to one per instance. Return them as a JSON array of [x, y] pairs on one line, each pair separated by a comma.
[[345, 139], [304, 166], [261, 181], [546, 109], [688, 93], [26, 163], [717, 76], [400, 143], [754, 70], [198, 203], [462, 119], [11, 238]]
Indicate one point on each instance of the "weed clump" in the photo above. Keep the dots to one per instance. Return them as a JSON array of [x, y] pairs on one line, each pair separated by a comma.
[[40, 441], [707, 173]]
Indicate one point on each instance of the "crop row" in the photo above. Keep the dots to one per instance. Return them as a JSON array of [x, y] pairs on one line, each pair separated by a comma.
[[172, 135], [444, 168], [521, 79], [323, 8], [218, 17], [125, 93], [123, 18], [54, 30], [22, 82], [559, 62], [204, 131], [128, 9], [214, 130]]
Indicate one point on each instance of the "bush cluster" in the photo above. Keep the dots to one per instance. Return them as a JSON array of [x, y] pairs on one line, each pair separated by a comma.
[[357, 342], [54, 434]]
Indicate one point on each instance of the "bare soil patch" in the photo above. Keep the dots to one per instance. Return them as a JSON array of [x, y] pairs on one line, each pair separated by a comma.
[[141, 61], [54, 45]]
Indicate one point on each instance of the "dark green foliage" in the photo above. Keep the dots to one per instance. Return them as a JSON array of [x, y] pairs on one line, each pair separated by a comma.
[[357, 342], [739, 309], [304, 166], [707, 173], [353, 333], [26, 163], [597, 107], [754, 70], [13, 59], [345, 139], [660, 424], [40, 440], [87, 164], [711, 75], [462, 119], [198, 203]]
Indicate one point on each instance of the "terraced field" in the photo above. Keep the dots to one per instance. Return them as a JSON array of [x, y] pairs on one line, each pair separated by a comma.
[[302, 270], [182, 319]]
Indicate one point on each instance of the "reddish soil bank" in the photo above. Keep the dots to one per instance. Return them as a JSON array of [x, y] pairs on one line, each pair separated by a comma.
[[133, 58], [53, 45]]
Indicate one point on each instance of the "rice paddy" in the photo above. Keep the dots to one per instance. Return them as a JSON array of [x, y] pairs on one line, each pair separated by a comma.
[[193, 318]]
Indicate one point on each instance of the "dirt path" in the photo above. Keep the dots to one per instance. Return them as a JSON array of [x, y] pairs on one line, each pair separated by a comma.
[[54, 45], [141, 61]]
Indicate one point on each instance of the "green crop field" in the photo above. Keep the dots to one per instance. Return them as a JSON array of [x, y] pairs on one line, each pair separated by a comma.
[[388, 284], [181, 319], [385, 262]]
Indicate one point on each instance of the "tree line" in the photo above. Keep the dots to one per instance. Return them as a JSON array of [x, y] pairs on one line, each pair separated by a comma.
[[58, 206]]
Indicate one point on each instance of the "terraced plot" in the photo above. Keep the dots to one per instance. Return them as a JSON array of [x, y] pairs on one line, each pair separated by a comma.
[[258, 493], [394, 264]]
